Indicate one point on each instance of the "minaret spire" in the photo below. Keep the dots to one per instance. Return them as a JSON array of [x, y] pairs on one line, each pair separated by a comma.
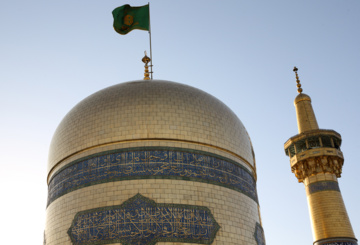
[[146, 60], [297, 80], [316, 160], [305, 115]]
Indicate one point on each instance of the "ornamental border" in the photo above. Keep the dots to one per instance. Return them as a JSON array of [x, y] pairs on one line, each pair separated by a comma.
[[337, 241], [327, 185], [155, 148], [184, 240], [148, 148]]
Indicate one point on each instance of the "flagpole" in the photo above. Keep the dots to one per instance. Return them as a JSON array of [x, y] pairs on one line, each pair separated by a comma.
[[151, 65]]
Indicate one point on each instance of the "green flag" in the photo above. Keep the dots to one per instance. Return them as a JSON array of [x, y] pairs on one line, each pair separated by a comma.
[[127, 18]]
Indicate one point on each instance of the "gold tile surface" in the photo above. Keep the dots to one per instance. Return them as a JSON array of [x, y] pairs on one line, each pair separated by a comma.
[[316, 164], [328, 215], [305, 114], [147, 114], [155, 110]]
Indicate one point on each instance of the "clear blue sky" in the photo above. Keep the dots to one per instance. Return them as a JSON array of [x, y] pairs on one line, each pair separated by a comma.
[[55, 53]]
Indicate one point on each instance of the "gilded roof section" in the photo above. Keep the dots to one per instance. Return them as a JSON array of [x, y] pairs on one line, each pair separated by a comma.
[[143, 110], [301, 97]]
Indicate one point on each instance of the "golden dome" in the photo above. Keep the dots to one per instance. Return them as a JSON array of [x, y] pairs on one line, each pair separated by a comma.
[[149, 111]]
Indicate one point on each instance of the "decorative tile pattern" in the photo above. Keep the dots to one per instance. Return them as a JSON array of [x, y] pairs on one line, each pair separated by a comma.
[[141, 221], [340, 243], [259, 235], [147, 164], [323, 186]]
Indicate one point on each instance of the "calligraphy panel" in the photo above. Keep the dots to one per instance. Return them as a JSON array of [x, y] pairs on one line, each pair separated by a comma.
[[147, 164], [141, 221]]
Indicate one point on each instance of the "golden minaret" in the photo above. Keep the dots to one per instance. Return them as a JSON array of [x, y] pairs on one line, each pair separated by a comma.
[[316, 160]]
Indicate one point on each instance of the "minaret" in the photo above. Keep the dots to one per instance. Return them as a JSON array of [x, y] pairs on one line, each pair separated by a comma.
[[316, 160]]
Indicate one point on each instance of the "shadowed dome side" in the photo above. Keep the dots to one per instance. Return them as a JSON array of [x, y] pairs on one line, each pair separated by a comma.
[[142, 110]]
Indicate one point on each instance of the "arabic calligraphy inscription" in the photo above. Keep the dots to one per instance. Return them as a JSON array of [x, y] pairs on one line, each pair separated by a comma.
[[141, 221], [165, 164]]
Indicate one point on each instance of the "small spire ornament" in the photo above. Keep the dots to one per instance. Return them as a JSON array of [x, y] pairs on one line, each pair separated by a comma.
[[146, 60], [297, 80]]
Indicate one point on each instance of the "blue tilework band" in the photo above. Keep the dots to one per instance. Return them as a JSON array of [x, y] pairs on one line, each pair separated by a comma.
[[141, 221], [337, 241], [152, 164], [323, 186], [259, 235]]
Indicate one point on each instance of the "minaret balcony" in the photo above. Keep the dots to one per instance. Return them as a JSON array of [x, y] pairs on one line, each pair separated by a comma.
[[317, 161], [320, 138], [317, 152], [314, 152]]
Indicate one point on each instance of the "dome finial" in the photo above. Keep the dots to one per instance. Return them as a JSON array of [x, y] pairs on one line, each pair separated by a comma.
[[146, 60], [297, 80]]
